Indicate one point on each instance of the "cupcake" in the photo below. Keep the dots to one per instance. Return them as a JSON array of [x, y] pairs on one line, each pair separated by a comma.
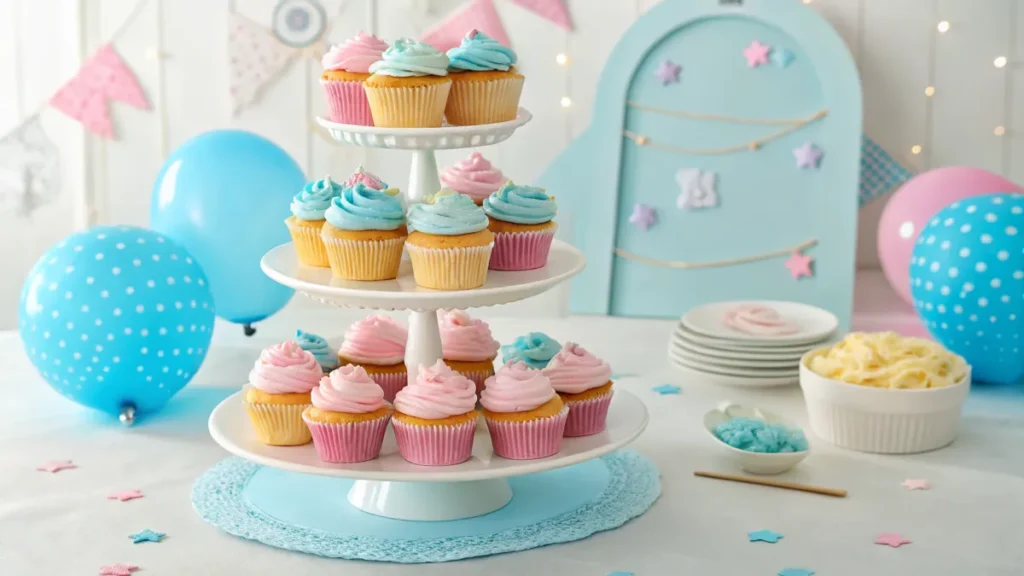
[[377, 344], [521, 219], [409, 86], [475, 177], [367, 178], [308, 209], [278, 392], [449, 243], [346, 66], [536, 349], [485, 85], [524, 415], [467, 346], [584, 384], [348, 417], [435, 418], [364, 234], [319, 348]]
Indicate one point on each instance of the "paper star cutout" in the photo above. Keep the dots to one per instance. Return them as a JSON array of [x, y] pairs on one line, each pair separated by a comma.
[[756, 54], [698, 189], [54, 466], [764, 536], [795, 572], [668, 72], [644, 216], [799, 265], [146, 535], [118, 570], [666, 389], [126, 495], [891, 539], [807, 156], [782, 57], [916, 484]]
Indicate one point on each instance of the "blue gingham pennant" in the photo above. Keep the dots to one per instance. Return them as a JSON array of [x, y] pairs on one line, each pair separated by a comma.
[[879, 171]]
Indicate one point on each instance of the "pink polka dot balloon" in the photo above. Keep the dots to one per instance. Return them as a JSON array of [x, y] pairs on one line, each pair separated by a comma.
[[909, 210]]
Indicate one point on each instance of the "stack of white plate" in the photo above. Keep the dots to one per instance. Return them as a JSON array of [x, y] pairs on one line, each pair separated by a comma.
[[705, 346]]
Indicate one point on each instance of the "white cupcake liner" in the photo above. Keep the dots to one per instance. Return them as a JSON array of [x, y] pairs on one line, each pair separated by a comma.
[[408, 106], [450, 268], [484, 102], [279, 424], [308, 244], [367, 260]]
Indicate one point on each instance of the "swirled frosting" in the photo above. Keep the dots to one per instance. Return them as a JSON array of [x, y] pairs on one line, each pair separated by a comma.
[[758, 321], [536, 349], [348, 389], [479, 51], [355, 54], [314, 200], [516, 388], [360, 207], [411, 58], [285, 368], [438, 392], [464, 338], [365, 177], [318, 347], [475, 177], [448, 214], [376, 340], [520, 205], [574, 370]]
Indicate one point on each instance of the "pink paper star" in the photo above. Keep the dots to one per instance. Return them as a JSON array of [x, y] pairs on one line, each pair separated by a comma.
[[891, 539], [643, 216], [916, 484], [799, 265], [126, 495], [54, 466], [668, 72], [807, 156], [756, 54], [118, 569]]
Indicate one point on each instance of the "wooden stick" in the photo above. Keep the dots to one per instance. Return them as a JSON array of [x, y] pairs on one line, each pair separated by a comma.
[[776, 483]]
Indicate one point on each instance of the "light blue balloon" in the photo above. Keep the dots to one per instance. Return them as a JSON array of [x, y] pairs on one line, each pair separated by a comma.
[[967, 280], [224, 195], [117, 315]]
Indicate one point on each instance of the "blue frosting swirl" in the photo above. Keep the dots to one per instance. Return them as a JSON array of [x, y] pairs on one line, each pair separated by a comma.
[[411, 58], [315, 199], [447, 214], [479, 52], [360, 207], [520, 205], [759, 436], [319, 348], [536, 349]]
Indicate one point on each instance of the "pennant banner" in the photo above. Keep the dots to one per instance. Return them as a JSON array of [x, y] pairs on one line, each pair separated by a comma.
[[102, 77], [29, 168], [879, 172], [554, 10], [479, 14]]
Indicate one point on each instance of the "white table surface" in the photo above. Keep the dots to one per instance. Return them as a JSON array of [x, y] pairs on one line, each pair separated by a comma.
[[970, 523]]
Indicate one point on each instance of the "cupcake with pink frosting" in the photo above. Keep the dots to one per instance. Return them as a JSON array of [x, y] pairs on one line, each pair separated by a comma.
[[584, 382], [348, 417], [279, 390], [467, 345], [475, 177], [369, 179], [435, 417], [346, 66], [377, 345], [524, 415]]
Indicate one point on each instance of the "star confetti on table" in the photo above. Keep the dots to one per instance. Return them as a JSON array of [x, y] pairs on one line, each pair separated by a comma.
[[667, 389], [126, 495], [668, 72], [782, 57], [54, 466], [699, 189], [146, 535], [756, 54], [799, 265], [644, 216], [764, 536], [795, 572], [891, 539], [807, 156], [916, 484], [118, 569]]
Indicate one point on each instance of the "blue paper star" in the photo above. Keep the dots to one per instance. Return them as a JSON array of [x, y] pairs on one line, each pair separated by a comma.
[[795, 572], [764, 536], [666, 389], [782, 57], [147, 535]]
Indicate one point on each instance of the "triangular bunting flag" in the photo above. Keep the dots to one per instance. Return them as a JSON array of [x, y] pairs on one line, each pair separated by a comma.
[[257, 58], [103, 76], [479, 14], [553, 10], [879, 171], [29, 167]]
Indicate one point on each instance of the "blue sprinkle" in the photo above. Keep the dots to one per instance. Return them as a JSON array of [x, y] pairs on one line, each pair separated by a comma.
[[759, 436]]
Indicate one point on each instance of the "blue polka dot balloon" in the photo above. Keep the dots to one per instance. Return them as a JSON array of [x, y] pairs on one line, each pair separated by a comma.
[[117, 318], [967, 280]]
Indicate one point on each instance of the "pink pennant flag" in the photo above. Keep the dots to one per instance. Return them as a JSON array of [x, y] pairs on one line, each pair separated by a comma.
[[102, 77], [479, 14], [553, 10]]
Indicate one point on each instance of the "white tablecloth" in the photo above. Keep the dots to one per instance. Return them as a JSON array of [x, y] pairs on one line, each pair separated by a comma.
[[970, 524]]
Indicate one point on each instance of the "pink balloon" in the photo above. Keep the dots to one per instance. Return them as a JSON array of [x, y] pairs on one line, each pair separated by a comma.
[[915, 203]]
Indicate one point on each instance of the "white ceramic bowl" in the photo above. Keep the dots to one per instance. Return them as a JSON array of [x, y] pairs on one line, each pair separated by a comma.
[[881, 420], [752, 462]]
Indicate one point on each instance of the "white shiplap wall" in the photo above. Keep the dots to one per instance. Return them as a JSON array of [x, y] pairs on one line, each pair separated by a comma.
[[895, 42]]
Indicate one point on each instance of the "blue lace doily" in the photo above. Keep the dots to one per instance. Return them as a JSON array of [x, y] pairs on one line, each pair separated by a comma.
[[631, 484]]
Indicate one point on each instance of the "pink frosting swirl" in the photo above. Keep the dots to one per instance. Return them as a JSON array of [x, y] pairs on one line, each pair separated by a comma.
[[574, 370], [464, 338], [759, 321], [355, 54], [366, 178], [376, 340], [516, 388], [474, 177], [285, 368], [348, 389], [438, 392]]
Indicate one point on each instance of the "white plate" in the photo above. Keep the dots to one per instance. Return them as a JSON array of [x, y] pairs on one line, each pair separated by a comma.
[[696, 356], [752, 354], [745, 346], [814, 323], [444, 138], [734, 381], [730, 371]]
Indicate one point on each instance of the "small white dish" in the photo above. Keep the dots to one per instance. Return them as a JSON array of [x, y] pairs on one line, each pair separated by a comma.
[[813, 322], [752, 462]]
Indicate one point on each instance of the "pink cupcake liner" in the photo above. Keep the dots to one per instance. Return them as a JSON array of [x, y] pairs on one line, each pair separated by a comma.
[[435, 445], [350, 441], [347, 103], [521, 250], [587, 417], [528, 440], [391, 383]]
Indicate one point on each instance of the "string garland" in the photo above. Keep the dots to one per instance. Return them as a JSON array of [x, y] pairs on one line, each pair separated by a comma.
[[679, 265]]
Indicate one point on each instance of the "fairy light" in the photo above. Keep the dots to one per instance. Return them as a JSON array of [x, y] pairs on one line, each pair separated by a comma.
[[566, 102], [943, 27], [929, 91], [915, 149], [1000, 62], [999, 131], [562, 59]]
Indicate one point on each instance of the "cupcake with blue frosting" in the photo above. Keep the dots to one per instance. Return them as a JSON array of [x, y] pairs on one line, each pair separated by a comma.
[[522, 220], [409, 86], [485, 85], [364, 234], [535, 349], [449, 243], [308, 208], [319, 348]]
